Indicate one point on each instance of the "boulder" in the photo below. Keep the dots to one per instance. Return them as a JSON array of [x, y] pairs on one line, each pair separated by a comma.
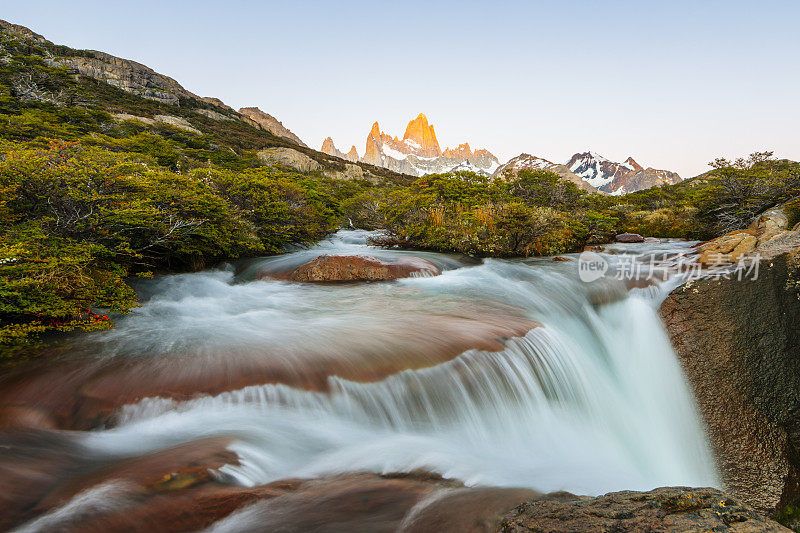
[[738, 343], [288, 157], [332, 268], [767, 236], [629, 237], [663, 509], [745, 246], [559, 258]]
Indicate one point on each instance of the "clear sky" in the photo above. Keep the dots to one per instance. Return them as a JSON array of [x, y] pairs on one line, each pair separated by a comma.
[[672, 83]]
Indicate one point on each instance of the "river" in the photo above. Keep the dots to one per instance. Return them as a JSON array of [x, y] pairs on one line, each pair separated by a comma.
[[502, 373]]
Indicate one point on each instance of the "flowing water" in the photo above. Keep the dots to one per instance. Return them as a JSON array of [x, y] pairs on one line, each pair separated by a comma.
[[510, 373]]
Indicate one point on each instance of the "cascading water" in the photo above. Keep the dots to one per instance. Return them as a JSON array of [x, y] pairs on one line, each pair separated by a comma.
[[591, 399]]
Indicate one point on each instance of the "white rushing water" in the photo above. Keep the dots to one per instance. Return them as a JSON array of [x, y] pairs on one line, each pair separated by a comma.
[[592, 401]]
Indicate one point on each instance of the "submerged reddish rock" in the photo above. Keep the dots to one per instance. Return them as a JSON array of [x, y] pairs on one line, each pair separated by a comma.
[[331, 268]]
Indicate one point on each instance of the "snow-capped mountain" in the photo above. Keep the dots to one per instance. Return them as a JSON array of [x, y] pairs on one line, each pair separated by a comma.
[[598, 171], [532, 162], [617, 178], [418, 152]]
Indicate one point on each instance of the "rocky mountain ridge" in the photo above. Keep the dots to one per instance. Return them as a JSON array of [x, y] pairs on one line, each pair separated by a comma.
[[592, 172], [270, 123], [617, 178], [417, 153], [531, 162]]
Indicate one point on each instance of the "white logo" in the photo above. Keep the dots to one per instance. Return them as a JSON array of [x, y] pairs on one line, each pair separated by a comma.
[[591, 266]]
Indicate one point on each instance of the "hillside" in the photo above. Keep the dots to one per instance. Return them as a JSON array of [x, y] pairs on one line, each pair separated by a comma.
[[110, 170], [102, 92]]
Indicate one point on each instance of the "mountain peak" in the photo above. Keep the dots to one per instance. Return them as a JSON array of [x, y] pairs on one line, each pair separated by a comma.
[[631, 162], [417, 153], [423, 135], [328, 147], [376, 130]]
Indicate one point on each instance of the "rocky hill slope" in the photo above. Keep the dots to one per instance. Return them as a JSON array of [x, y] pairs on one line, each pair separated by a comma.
[[130, 91]]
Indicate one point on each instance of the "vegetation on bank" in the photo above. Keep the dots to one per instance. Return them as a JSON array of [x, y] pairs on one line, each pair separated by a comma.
[[537, 213], [88, 201]]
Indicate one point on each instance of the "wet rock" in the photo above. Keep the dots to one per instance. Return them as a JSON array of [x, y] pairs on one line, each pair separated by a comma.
[[31, 464], [559, 258], [652, 240], [86, 393], [629, 237], [664, 509], [350, 502], [367, 502], [331, 268], [738, 343], [25, 417], [175, 468]]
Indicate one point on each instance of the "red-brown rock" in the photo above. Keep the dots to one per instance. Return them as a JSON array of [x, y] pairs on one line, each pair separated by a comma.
[[629, 237], [332, 268]]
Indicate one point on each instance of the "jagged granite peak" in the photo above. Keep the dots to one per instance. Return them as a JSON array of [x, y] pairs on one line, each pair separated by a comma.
[[419, 152], [376, 130], [422, 134], [329, 148], [352, 155], [271, 124], [462, 151], [531, 162]]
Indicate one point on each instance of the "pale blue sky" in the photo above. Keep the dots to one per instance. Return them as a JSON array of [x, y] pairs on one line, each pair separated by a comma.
[[673, 84]]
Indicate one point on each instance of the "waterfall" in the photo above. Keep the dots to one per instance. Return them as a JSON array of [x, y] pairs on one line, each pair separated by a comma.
[[590, 401]]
